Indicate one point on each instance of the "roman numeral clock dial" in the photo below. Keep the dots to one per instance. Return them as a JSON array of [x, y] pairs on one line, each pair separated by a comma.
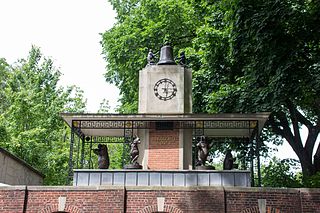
[[165, 89]]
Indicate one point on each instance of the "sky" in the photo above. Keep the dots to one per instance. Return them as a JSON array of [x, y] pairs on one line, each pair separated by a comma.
[[68, 31]]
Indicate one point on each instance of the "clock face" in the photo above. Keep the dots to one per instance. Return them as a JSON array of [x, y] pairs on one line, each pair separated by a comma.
[[165, 89]]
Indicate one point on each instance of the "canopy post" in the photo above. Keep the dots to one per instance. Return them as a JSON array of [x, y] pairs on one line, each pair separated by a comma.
[[258, 155], [70, 173]]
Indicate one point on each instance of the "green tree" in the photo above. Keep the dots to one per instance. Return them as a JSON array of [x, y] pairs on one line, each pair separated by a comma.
[[4, 74], [276, 51], [104, 106], [34, 127], [246, 56], [142, 25], [279, 173]]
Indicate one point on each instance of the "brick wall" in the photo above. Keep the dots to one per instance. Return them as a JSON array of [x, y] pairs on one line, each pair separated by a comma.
[[35, 199], [163, 149], [78, 199], [310, 200], [178, 199], [144, 199], [12, 199], [246, 199]]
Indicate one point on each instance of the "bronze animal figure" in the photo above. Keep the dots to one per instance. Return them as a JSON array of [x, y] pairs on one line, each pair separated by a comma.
[[203, 151], [103, 156], [228, 161], [134, 151]]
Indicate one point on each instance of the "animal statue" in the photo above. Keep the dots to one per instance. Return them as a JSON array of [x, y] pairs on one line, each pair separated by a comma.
[[203, 151], [182, 58], [134, 151], [150, 57], [103, 156], [228, 161]]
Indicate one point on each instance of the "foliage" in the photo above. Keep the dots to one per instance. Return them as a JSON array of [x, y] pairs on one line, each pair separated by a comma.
[[76, 102], [313, 181], [4, 72], [276, 50], [279, 174], [246, 56], [104, 106], [142, 25], [116, 155], [30, 123]]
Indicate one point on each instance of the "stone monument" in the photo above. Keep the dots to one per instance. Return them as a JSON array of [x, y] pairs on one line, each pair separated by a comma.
[[165, 88]]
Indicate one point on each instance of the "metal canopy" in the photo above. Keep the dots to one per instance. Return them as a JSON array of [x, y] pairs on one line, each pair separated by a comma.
[[215, 125]]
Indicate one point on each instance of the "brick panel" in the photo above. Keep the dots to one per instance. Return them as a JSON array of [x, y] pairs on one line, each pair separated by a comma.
[[310, 200], [163, 149], [184, 200], [107, 200], [144, 199], [283, 200], [12, 200]]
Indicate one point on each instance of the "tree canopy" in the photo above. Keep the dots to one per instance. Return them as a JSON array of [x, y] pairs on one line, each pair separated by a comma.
[[30, 124], [246, 56]]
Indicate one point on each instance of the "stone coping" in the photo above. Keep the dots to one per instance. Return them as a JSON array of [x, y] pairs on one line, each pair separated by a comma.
[[307, 190], [262, 189], [159, 188], [62, 188], [161, 171], [8, 188], [175, 188]]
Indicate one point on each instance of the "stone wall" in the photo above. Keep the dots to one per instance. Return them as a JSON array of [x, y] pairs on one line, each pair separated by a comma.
[[14, 171], [153, 199]]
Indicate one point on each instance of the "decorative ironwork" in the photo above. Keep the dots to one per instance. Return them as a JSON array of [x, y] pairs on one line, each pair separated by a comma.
[[164, 125], [186, 124], [70, 172], [75, 124], [199, 124], [81, 157], [198, 132], [128, 133], [107, 139], [102, 125], [253, 124], [78, 131], [128, 124], [141, 124], [226, 124]]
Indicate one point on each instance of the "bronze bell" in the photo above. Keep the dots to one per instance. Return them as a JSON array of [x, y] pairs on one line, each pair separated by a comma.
[[166, 56]]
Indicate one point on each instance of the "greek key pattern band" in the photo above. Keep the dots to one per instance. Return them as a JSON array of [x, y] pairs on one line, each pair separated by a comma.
[[177, 124]]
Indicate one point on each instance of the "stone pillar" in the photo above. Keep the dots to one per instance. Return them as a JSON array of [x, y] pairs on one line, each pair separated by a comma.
[[165, 89]]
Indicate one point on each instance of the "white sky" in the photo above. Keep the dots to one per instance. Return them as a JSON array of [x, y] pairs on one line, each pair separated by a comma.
[[68, 32]]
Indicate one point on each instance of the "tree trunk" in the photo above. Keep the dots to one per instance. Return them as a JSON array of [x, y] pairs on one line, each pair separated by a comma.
[[306, 165], [281, 126], [316, 160]]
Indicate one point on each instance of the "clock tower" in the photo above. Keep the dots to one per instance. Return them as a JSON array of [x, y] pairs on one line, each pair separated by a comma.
[[165, 88]]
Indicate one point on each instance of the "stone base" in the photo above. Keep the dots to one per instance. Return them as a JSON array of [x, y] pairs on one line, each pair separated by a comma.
[[140, 177], [133, 166], [205, 168]]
